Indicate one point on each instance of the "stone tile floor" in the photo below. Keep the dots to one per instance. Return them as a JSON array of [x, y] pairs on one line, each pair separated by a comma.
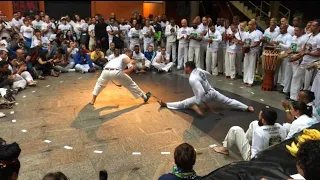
[[57, 110]]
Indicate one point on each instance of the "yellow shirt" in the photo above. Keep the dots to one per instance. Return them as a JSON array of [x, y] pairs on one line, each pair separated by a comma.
[[94, 56]]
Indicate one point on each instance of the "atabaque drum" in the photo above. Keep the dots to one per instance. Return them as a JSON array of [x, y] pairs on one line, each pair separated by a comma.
[[269, 65]]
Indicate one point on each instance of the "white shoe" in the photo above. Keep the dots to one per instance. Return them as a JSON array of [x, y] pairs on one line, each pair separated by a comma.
[[71, 70], [2, 115]]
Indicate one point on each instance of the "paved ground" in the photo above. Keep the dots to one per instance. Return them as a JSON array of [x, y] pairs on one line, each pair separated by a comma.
[[118, 125]]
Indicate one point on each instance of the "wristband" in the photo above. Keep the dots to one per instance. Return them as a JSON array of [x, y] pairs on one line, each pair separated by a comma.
[[287, 110]]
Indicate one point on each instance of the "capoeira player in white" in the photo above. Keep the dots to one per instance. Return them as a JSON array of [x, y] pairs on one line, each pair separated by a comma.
[[114, 70], [204, 92]]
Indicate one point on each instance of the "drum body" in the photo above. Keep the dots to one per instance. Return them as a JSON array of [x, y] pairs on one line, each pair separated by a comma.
[[270, 64]]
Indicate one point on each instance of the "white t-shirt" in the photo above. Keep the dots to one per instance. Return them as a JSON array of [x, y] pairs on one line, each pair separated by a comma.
[[243, 34], [299, 124], [203, 28], [36, 42], [222, 30], [266, 136], [270, 36], [91, 29], [51, 27], [64, 28], [72, 54], [166, 56], [146, 30], [297, 43], [250, 39], [312, 45], [290, 30], [37, 24], [135, 36], [26, 31], [76, 26], [138, 57], [284, 40], [16, 23], [195, 33], [109, 28], [216, 39], [117, 63], [183, 32], [232, 47], [125, 30], [171, 37]]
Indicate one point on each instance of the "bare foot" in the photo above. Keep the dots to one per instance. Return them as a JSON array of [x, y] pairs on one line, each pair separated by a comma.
[[197, 110], [221, 150], [250, 109], [142, 71], [162, 104], [91, 102]]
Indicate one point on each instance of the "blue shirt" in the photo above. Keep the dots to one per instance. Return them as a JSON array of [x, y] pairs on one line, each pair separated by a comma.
[[82, 59], [149, 55]]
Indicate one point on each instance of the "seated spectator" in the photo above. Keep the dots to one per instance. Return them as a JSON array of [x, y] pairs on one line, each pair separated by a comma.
[[9, 162], [111, 49], [150, 54], [7, 80], [31, 60], [185, 159], [18, 66], [116, 54], [40, 41], [69, 36], [41, 63], [60, 61], [83, 62], [71, 52], [142, 64], [85, 49], [260, 135], [162, 61], [97, 57], [303, 118], [27, 31], [55, 176]]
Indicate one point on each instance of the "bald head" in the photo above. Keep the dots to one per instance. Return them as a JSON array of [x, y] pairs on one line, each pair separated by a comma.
[[197, 19], [184, 23], [273, 20], [252, 26], [20, 53]]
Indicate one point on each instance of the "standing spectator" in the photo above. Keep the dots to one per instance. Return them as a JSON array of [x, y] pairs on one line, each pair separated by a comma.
[[76, 25], [27, 32], [84, 37], [184, 158], [16, 23], [171, 34], [135, 35], [37, 23], [203, 28], [111, 50], [148, 32], [124, 29], [213, 37], [64, 27], [101, 34], [164, 22], [112, 30], [48, 28], [92, 40], [182, 36], [194, 45], [222, 27], [157, 34]]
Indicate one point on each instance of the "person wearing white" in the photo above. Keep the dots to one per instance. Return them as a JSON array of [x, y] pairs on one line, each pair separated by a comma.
[[142, 63], [115, 70], [76, 26], [38, 40], [16, 23], [162, 61], [135, 35], [72, 50], [182, 37], [290, 29], [27, 32], [92, 40], [230, 69], [311, 52], [37, 23], [214, 37], [239, 54], [222, 26], [316, 89], [112, 30], [64, 27], [283, 40], [124, 28], [297, 43], [249, 64], [203, 92], [148, 32], [270, 34], [194, 44], [260, 135], [304, 118], [48, 27], [171, 34], [203, 28]]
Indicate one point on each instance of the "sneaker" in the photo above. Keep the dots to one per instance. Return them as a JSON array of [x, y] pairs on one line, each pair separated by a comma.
[[148, 97], [103, 175]]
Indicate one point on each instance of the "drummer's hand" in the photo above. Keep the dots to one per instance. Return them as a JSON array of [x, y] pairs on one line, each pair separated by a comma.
[[289, 52], [284, 104]]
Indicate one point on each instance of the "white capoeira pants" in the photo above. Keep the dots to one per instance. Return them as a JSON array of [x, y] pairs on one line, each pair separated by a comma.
[[84, 67], [249, 67], [290, 70], [195, 51], [280, 74], [27, 76], [119, 76], [139, 66], [301, 76], [182, 54], [316, 89], [172, 48], [221, 56], [203, 51], [212, 95], [239, 62], [3, 92], [211, 61], [237, 136], [230, 64], [162, 66], [19, 82]]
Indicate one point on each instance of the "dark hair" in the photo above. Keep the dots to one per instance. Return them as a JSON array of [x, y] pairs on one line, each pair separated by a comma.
[[318, 21], [3, 63], [185, 156], [9, 162], [269, 115], [308, 159], [55, 176], [302, 107], [37, 30], [2, 51], [61, 51], [211, 24], [136, 46], [301, 26], [309, 95], [190, 64]]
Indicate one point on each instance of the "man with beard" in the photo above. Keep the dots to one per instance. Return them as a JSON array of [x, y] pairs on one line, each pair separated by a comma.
[[194, 45], [102, 35], [260, 135], [135, 35]]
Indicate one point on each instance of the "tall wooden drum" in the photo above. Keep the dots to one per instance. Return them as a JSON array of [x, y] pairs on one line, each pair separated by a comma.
[[269, 65]]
